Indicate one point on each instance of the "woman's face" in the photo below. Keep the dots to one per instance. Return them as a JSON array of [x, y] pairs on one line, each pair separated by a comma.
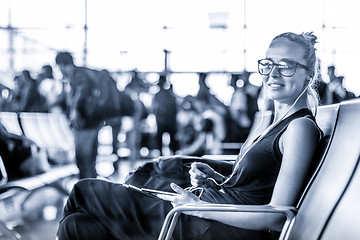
[[280, 88]]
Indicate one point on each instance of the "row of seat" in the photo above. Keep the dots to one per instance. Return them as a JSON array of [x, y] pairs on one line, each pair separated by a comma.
[[48, 130], [328, 208], [51, 133]]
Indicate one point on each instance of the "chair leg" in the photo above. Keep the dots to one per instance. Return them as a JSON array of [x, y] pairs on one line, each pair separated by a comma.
[[168, 225], [172, 225]]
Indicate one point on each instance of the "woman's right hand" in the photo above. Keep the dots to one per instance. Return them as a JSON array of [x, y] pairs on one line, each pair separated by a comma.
[[199, 173]]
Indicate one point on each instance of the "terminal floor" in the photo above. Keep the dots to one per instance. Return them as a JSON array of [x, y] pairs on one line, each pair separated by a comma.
[[41, 222]]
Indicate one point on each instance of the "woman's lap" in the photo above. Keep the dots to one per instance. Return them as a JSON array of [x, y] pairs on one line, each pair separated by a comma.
[[113, 211], [122, 212], [78, 226]]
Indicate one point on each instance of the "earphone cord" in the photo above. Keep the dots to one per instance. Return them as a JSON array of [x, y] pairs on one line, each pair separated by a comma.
[[268, 129]]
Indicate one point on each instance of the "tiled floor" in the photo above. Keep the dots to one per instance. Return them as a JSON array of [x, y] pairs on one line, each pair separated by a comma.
[[38, 219]]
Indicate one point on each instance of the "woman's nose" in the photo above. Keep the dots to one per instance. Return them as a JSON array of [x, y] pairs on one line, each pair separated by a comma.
[[275, 72]]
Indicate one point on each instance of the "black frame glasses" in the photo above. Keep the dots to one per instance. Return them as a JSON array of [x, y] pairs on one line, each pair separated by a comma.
[[286, 68]]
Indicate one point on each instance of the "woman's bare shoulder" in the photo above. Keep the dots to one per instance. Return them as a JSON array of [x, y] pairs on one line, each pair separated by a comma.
[[303, 125], [300, 132]]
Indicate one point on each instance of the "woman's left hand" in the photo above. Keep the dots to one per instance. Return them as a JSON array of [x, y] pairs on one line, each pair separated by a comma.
[[183, 197]]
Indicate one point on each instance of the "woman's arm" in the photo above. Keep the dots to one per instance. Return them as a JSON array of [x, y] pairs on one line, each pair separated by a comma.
[[298, 144]]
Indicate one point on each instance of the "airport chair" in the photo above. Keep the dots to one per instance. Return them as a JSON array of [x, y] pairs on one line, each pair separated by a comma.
[[324, 199]]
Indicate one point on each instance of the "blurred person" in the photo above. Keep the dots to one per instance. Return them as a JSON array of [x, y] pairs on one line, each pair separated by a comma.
[[242, 108], [187, 119], [273, 170], [137, 138], [85, 128], [115, 124], [137, 84], [208, 129], [164, 107], [17, 92], [29, 97], [337, 92], [126, 108], [208, 97], [331, 73], [6, 99], [50, 88]]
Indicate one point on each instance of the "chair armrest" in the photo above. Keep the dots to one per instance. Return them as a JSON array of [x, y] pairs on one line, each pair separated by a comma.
[[172, 217]]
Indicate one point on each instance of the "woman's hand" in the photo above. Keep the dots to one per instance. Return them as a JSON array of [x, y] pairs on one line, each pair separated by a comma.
[[183, 197], [199, 173]]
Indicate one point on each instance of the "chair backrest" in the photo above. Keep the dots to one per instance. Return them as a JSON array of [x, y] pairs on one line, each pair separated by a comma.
[[11, 122], [60, 127], [31, 129], [333, 176], [47, 130], [344, 220], [326, 119]]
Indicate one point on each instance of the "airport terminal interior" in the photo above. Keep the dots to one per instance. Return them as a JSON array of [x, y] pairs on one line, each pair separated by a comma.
[[187, 48]]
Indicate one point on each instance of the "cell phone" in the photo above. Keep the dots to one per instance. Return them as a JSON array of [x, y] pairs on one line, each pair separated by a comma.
[[152, 192]]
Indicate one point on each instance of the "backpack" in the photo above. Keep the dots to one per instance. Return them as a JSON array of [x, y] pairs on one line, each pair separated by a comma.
[[106, 101]]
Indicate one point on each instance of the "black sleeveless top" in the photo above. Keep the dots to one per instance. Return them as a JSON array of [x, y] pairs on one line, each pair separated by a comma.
[[255, 177]]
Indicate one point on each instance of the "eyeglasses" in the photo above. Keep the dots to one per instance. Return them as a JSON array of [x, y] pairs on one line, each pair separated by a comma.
[[286, 68]]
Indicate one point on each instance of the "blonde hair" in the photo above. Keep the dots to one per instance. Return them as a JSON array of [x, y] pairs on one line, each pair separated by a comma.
[[307, 40]]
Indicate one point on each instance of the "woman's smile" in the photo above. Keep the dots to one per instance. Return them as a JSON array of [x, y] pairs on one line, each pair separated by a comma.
[[275, 86]]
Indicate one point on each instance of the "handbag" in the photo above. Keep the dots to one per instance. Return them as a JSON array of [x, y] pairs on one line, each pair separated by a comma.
[[106, 101], [158, 174]]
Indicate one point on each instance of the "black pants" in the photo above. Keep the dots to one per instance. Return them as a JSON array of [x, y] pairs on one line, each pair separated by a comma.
[[98, 209], [86, 144]]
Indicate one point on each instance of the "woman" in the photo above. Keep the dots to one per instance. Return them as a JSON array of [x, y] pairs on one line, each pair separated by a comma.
[[273, 169]]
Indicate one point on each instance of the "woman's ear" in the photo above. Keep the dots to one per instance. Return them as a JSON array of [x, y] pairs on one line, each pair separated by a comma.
[[307, 81]]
